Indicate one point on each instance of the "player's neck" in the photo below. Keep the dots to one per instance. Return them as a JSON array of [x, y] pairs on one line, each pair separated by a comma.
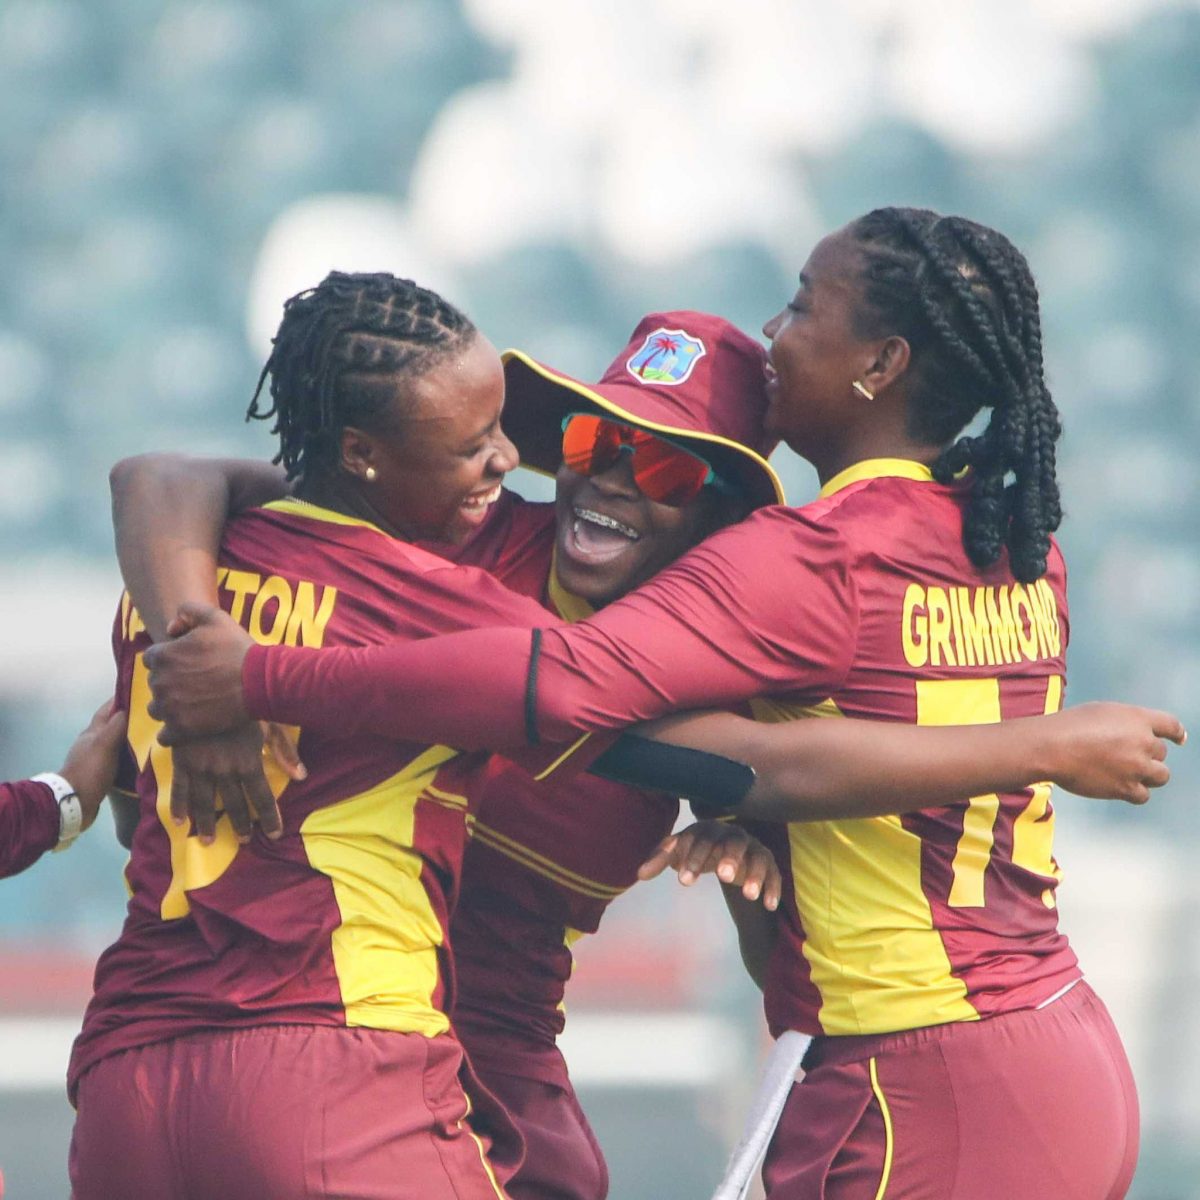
[[342, 497]]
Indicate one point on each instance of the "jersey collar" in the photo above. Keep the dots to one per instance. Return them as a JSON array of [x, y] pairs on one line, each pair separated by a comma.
[[878, 468], [568, 605], [305, 508]]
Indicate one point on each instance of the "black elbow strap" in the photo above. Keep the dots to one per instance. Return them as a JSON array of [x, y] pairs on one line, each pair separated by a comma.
[[535, 654], [712, 783]]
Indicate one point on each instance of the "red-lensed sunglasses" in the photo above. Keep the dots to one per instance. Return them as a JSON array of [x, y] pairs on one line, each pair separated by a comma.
[[665, 473]]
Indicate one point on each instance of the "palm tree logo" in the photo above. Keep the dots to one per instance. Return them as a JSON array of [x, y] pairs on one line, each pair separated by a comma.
[[666, 356], [662, 344]]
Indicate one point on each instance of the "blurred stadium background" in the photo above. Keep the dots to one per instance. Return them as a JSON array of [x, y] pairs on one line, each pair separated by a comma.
[[170, 170]]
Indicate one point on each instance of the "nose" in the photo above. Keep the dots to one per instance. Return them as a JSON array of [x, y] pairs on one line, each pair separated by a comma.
[[505, 457], [771, 328], [618, 479]]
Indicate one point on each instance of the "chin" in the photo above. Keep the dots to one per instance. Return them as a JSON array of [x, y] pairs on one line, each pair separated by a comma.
[[585, 585]]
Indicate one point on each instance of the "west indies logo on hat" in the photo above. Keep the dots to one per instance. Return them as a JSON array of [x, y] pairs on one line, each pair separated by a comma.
[[667, 357], [714, 409]]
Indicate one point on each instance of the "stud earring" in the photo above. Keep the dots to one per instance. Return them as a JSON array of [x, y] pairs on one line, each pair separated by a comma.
[[370, 474], [862, 389]]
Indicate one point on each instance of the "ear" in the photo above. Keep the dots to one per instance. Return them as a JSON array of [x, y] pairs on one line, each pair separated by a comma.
[[358, 451], [892, 357]]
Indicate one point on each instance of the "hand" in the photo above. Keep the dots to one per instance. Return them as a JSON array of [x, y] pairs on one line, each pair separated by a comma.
[[1113, 751], [91, 765], [196, 679], [728, 851], [233, 766]]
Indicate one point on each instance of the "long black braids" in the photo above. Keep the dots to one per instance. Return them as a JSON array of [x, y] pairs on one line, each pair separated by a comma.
[[963, 297], [336, 359]]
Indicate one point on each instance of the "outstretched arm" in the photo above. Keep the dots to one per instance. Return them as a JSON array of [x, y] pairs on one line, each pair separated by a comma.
[[831, 769], [725, 623], [168, 515], [31, 819]]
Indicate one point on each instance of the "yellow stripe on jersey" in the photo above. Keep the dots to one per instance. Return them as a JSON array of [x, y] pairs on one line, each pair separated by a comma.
[[447, 799], [562, 758], [541, 865], [385, 949], [870, 943], [292, 506], [878, 468]]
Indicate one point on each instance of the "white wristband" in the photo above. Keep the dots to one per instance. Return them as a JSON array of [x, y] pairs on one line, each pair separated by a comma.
[[70, 810]]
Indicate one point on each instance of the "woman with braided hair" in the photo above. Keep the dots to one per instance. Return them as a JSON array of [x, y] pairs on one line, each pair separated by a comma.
[[303, 972], [957, 1050]]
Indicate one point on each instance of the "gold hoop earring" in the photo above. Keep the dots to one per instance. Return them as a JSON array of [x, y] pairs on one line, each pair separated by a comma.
[[369, 473], [862, 389]]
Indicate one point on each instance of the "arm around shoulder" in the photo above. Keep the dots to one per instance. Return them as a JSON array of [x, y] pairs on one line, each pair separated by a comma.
[[169, 512]]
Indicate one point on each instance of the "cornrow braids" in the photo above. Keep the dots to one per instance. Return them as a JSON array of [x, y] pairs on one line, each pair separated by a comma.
[[963, 297], [340, 351]]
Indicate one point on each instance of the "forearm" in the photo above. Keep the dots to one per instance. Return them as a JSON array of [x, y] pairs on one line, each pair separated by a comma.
[[835, 769], [168, 515], [849, 769], [757, 930], [465, 690], [29, 824]]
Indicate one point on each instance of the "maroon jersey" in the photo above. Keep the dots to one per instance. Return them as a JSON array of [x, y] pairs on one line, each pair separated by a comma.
[[544, 860], [541, 869], [342, 921], [28, 824], [515, 544], [863, 604]]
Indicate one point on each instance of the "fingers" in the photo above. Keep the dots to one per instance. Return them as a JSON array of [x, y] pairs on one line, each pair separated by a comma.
[[112, 730], [773, 888], [1168, 725], [702, 856], [178, 626], [1157, 774], [285, 750], [727, 851], [190, 615], [263, 805], [200, 803], [181, 797], [658, 862], [762, 878], [233, 799]]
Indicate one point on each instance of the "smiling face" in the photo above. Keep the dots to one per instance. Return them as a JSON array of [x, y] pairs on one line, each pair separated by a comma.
[[610, 538], [815, 353], [439, 455]]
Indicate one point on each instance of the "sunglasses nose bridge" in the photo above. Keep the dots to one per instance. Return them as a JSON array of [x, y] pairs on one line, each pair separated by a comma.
[[617, 476]]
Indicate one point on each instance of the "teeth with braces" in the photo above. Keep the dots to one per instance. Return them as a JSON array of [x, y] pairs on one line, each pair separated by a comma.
[[606, 522]]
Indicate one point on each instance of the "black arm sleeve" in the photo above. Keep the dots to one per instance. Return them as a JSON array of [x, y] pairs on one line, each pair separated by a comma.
[[712, 783]]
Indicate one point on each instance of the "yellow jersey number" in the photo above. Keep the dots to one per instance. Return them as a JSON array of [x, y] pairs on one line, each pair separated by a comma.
[[977, 702]]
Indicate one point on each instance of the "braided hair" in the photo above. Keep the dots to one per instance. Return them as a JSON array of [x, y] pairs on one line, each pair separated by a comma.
[[340, 351], [963, 297]]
